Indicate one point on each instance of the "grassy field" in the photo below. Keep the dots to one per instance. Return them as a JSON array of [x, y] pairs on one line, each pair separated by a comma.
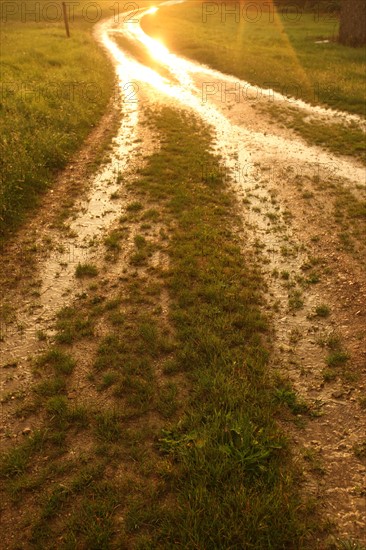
[[180, 446], [54, 91], [283, 55]]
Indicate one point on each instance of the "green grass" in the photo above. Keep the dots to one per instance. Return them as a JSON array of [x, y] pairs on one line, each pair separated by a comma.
[[16, 461], [143, 251], [108, 426], [72, 326], [134, 207], [337, 358], [289, 398], [329, 374], [348, 212], [54, 92], [346, 139], [322, 310], [112, 242], [49, 388], [61, 362], [295, 300], [83, 271]]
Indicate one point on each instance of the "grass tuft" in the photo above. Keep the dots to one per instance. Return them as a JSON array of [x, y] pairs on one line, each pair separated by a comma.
[[61, 362], [85, 271], [108, 428]]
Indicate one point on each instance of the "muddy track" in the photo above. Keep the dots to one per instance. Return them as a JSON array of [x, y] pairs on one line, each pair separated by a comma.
[[287, 197]]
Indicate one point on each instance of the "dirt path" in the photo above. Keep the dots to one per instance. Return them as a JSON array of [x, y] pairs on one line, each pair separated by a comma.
[[300, 212]]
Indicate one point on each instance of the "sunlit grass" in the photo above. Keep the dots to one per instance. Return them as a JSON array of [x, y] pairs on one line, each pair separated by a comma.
[[54, 91]]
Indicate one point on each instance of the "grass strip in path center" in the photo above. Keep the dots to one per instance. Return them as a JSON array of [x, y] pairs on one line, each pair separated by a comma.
[[235, 486]]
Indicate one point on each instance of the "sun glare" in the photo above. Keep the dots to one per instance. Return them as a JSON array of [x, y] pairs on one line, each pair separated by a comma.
[[157, 49], [152, 10]]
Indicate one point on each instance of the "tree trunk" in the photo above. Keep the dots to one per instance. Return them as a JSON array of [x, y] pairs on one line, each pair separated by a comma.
[[352, 29]]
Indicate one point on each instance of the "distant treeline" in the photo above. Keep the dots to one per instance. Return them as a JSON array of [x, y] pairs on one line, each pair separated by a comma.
[[322, 6], [331, 6]]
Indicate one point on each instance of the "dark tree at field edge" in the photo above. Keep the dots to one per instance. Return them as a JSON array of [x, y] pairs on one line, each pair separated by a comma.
[[352, 27]]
